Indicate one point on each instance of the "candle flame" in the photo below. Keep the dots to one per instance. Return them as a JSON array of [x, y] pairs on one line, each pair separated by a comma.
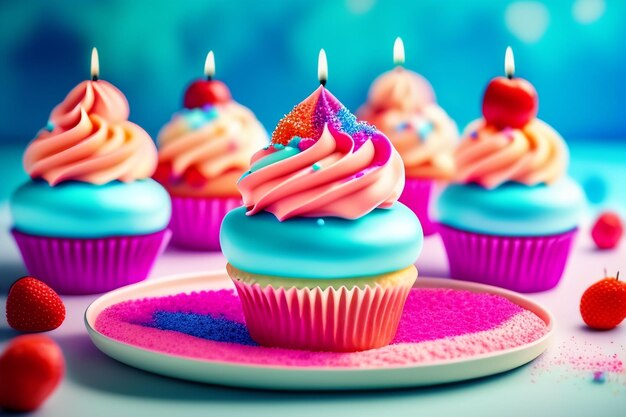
[[209, 65], [95, 65], [398, 51], [322, 67], [509, 63]]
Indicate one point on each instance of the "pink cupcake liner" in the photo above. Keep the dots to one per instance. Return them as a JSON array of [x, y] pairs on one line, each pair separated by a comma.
[[196, 221], [524, 264], [90, 266], [341, 319], [416, 196]]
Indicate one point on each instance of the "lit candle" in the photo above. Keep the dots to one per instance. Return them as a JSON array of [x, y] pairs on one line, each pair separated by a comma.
[[322, 67], [207, 91], [95, 65], [398, 52], [509, 101]]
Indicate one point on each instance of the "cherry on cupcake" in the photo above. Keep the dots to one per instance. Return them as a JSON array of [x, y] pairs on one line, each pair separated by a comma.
[[208, 91], [603, 305], [607, 230], [509, 101]]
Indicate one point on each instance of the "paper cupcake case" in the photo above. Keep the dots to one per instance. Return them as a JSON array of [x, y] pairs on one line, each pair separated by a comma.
[[333, 319], [196, 221], [416, 196], [88, 266], [524, 264]]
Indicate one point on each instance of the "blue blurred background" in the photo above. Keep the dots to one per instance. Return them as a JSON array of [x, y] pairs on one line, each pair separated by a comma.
[[573, 51]]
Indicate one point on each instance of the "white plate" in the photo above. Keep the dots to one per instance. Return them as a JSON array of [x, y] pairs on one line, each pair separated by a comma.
[[307, 378]]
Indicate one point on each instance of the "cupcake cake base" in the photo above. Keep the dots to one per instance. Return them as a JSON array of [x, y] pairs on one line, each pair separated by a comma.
[[344, 315], [524, 264], [89, 266]]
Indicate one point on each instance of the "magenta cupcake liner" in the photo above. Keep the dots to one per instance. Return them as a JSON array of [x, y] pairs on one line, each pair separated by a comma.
[[524, 264], [196, 221], [333, 319], [416, 196], [89, 266]]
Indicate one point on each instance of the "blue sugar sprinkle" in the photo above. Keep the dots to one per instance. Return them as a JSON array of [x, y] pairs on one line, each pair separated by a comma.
[[351, 125], [599, 377], [401, 126], [279, 146], [316, 167], [207, 327], [294, 142], [50, 126], [425, 129], [194, 118], [321, 222]]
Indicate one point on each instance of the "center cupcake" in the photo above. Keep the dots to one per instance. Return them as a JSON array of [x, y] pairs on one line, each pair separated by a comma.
[[321, 252]]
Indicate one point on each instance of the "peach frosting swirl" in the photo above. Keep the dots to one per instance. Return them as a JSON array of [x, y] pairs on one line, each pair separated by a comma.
[[215, 143], [91, 140], [402, 105], [336, 176], [490, 157]]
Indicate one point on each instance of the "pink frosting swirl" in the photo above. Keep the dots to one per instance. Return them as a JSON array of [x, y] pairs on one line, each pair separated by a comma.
[[401, 90], [91, 140], [333, 177], [96, 97], [490, 157], [401, 104]]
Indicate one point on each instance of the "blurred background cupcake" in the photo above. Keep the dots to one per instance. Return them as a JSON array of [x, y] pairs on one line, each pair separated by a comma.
[[513, 216], [337, 267], [90, 219], [402, 105], [203, 151]]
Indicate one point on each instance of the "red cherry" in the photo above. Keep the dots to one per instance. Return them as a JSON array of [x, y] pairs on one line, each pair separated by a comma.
[[203, 92], [31, 368], [509, 102], [607, 230]]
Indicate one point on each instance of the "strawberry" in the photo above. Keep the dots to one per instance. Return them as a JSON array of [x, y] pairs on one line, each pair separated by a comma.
[[31, 368], [607, 230], [603, 305], [32, 306]]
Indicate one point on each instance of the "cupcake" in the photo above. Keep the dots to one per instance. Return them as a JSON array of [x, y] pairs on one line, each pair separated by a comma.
[[321, 253], [402, 105], [511, 217], [90, 219], [203, 151]]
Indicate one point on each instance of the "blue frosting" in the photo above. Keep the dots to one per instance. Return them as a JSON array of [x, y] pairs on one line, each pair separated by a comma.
[[283, 152], [384, 240], [83, 210], [513, 209]]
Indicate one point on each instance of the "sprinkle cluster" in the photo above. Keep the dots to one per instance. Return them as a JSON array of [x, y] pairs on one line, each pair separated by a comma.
[[308, 118]]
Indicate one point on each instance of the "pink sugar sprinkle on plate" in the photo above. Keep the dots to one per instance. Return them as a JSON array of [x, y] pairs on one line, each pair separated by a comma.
[[191, 327]]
